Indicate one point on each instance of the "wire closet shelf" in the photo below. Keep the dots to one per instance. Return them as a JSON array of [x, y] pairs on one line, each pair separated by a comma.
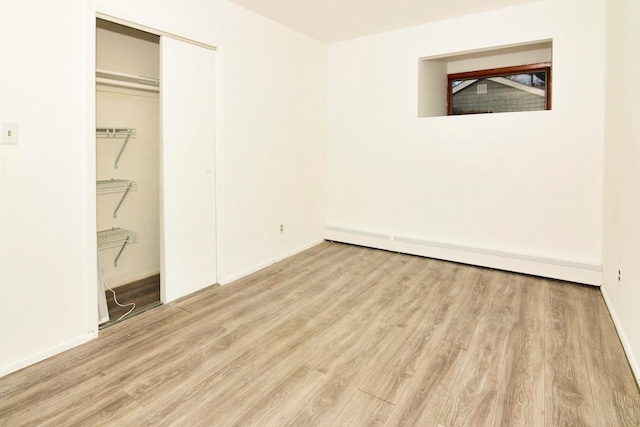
[[116, 237], [110, 186], [117, 133]]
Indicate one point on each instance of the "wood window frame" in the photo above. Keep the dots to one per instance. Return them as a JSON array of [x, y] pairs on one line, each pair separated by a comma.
[[499, 72]]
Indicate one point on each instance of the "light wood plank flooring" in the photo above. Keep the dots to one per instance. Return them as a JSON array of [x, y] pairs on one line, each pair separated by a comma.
[[346, 336]]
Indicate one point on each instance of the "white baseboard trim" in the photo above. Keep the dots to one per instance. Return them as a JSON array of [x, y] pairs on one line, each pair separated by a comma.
[[45, 354], [633, 361], [573, 271], [272, 261]]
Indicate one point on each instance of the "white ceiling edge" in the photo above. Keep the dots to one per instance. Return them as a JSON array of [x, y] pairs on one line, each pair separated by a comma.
[[338, 20]]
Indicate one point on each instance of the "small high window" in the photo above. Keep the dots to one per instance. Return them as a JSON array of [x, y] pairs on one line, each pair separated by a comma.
[[500, 90]]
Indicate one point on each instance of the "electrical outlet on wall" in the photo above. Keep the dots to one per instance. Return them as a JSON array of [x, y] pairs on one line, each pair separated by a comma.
[[619, 276], [281, 228]]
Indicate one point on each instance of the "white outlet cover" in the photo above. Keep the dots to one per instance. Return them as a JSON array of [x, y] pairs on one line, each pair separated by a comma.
[[9, 134]]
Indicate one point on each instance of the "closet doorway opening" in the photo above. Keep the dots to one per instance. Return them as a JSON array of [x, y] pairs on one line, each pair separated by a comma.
[[156, 165], [128, 171]]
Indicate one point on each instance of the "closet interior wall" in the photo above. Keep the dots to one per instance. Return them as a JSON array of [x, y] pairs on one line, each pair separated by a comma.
[[125, 50]]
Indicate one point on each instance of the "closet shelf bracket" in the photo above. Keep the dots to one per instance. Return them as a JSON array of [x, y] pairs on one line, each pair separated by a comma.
[[114, 238], [124, 195], [124, 244], [116, 186], [125, 133]]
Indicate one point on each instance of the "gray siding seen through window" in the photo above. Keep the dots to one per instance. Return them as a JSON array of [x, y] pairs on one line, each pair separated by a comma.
[[498, 98]]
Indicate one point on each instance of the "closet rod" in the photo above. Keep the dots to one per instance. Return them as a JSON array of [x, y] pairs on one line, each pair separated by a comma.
[[114, 78], [119, 83]]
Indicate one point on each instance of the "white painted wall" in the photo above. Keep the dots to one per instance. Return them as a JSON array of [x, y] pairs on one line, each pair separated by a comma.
[[43, 241], [274, 115], [126, 50], [622, 174], [517, 55], [432, 88], [526, 183], [275, 140]]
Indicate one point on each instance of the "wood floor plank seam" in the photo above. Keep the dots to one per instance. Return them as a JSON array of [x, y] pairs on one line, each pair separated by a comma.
[[184, 309], [363, 410], [376, 397]]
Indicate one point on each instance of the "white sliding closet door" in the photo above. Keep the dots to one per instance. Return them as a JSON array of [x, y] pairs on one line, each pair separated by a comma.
[[188, 155]]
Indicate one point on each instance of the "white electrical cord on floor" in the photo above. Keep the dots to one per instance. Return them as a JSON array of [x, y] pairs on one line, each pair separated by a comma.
[[132, 304]]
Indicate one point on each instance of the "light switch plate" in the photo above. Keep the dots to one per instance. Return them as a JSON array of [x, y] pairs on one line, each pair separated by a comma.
[[9, 134]]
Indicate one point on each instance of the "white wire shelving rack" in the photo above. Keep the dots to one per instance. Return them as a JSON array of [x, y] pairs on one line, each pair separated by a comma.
[[116, 237], [113, 186], [117, 133]]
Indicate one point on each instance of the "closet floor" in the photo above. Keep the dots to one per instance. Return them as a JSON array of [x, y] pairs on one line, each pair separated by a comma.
[[144, 293]]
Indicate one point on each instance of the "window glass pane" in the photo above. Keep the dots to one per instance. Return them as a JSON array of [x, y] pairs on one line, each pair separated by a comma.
[[500, 93]]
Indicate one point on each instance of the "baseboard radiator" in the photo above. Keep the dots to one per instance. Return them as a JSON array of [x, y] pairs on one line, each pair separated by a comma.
[[573, 271]]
